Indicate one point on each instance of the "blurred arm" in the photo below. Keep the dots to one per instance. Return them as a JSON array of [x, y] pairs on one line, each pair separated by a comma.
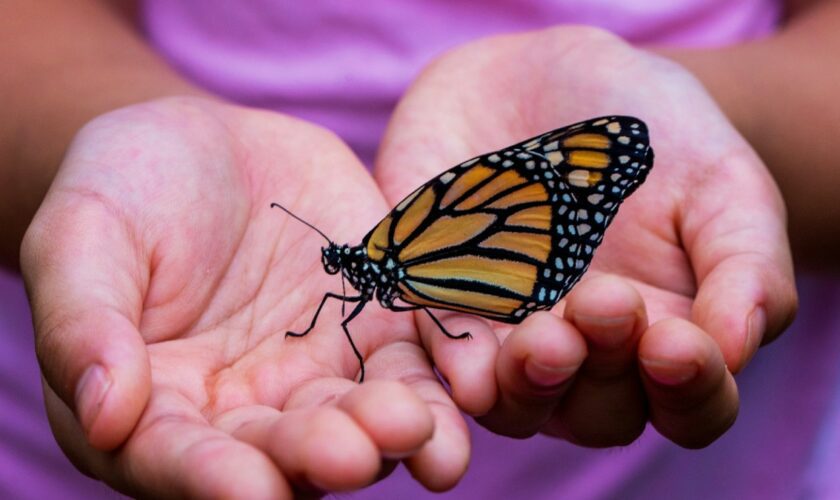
[[781, 93], [61, 64]]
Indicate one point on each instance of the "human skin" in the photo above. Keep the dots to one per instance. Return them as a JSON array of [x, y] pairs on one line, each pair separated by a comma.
[[117, 69]]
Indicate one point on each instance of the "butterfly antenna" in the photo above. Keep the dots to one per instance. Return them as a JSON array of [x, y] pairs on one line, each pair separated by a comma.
[[281, 207]]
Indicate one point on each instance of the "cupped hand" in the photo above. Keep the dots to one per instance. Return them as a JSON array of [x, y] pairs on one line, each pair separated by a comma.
[[162, 285], [694, 273]]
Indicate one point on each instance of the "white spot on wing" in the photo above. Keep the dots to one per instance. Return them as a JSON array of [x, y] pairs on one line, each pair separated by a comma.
[[408, 199], [555, 157], [578, 178], [595, 198]]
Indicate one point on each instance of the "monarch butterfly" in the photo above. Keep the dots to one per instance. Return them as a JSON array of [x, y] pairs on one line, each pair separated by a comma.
[[501, 235]]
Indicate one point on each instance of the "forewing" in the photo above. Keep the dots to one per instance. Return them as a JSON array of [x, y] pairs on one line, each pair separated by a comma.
[[511, 232]]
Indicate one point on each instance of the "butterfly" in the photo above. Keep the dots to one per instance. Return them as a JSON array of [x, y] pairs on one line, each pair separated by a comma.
[[501, 235]]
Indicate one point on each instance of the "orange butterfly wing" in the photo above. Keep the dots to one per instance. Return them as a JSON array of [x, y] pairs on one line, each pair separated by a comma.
[[511, 232]]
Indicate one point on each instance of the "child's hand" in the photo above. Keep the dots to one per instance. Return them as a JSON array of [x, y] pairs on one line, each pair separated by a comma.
[[699, 252], [162, 285]]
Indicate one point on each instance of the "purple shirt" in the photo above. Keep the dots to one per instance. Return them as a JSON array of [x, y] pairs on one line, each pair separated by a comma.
[[303, 58], [31, 464], [344, 64]]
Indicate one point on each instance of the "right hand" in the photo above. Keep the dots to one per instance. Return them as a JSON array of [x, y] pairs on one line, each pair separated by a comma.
[[693, 275], [162, 285]]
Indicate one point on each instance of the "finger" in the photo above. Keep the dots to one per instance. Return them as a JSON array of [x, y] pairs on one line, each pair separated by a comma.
[[395, 418], [606, 404], [318, 449], [467, 364], [83, 286], [130, 470], [693, 397], [381, 413], [739, 249], [535, 366], [441, 461], [175, 453], [71, 437]]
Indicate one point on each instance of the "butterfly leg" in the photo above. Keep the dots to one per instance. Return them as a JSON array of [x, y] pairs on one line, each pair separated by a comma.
[[465, 335], [328, 295], [355, 312]]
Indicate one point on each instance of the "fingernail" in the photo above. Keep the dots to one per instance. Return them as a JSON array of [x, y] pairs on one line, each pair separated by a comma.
[[668, 373], [608, 332], [90, 394], [756, 326], [547, 376]]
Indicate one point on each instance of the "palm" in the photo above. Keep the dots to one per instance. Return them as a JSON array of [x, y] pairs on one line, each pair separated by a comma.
[[690, 240], [212, 278]]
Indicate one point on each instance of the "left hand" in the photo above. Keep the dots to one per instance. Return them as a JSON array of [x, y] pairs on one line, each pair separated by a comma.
[[162, 285], [694, 274]]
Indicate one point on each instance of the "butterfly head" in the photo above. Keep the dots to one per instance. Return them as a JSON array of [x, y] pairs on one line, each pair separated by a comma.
[[332, 256]]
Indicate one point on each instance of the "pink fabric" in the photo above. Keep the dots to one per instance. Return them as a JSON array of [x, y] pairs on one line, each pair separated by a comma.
[[344, 64]]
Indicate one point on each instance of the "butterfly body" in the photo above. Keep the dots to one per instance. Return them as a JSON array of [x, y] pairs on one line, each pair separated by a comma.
[[365, 276], [502, 235]]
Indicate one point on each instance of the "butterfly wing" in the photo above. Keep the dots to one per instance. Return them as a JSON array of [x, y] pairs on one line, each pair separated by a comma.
[[511, 232]]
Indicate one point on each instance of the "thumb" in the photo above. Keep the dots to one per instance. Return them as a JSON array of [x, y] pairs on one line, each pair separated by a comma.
[[737, 242], [85, 290]]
